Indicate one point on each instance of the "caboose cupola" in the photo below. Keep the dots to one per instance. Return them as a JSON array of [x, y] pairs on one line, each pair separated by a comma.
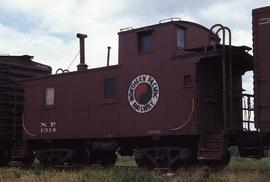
[[160, 42]]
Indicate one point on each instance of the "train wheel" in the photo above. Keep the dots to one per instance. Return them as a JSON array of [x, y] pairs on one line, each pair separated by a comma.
[[44, 162], [144, 163], [29, 160], [220, 164], [183, 164], [108, 159], [84, 156], [29, 157]]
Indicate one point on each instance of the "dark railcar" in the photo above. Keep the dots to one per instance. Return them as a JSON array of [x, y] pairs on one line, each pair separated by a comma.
[[175, 98], [12, 70], [261, 39]]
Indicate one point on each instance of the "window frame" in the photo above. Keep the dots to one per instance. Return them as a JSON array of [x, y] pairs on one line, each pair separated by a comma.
[[113, 99], [183, 37], [45, 104], [141, 46]]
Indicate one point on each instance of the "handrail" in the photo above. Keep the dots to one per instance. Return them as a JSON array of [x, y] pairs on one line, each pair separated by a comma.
[[62, 70], [248, 111], [226, 87]]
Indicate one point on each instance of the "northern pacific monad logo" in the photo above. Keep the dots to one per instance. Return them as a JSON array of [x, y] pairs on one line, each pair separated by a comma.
[[143, 93]]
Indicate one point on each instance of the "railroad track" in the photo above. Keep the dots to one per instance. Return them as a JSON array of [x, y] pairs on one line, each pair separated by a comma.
[[135, 168]]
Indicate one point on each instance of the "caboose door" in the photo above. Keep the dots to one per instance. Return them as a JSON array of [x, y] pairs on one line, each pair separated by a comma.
[[209, 87]]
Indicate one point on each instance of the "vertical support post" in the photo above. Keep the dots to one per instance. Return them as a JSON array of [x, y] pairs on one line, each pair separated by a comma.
[[15, 112]]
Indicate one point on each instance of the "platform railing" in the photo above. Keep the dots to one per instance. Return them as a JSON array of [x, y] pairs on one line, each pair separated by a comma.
[[248, 112]]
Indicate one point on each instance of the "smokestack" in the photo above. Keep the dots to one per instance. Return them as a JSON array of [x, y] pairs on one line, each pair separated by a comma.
[[82, 66], [108, 56]]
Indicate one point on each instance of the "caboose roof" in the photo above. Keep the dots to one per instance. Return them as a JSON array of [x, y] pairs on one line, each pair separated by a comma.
[[178, 23], [260, 10], [23, 61]]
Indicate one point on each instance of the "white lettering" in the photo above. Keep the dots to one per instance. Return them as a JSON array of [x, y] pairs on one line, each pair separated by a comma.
[[47, 127]]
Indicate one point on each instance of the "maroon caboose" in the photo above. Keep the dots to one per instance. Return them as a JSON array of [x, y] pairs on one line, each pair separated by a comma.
[[175, 98]]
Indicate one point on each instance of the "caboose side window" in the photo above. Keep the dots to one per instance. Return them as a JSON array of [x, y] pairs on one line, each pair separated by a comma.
[[145, 41], [109, 88], [49, 96], [180, 37]]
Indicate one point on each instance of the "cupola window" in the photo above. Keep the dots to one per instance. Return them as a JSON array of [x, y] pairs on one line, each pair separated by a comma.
[[180, 37], [145, 41]]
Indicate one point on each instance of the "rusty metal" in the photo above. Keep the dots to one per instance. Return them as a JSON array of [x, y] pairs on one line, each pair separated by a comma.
[[108, 56], [82, 66]]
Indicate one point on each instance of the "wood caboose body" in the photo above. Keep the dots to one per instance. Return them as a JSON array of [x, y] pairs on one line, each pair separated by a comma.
[[174, 98]]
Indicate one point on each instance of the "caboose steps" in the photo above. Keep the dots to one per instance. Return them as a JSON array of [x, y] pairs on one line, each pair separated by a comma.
[[211, 146], [19, 150], [22, 151]]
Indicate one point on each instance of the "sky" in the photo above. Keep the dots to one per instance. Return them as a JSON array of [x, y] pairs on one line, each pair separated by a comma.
[[46, 29]]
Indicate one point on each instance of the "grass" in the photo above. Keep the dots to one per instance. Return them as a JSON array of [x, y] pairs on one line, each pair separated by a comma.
[[249, 163], [197, 174]]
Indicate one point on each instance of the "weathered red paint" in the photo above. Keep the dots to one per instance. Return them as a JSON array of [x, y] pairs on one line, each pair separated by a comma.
[[261, 39], [81, 112]]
